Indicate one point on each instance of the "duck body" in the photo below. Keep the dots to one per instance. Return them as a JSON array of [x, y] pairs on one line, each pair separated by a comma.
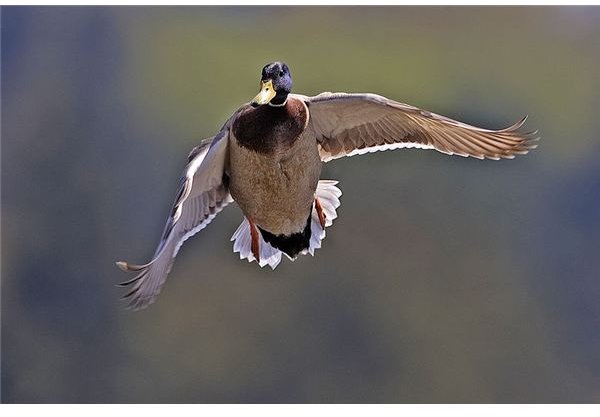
[[274, 169]]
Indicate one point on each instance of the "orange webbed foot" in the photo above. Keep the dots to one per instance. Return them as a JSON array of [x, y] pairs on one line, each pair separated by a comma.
[[255, 245], [320, 212]]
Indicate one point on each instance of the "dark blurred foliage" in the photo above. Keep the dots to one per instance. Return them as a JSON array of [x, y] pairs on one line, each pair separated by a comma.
[[443, 280]]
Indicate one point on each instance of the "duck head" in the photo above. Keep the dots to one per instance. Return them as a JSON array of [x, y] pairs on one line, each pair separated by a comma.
[[275, 85]]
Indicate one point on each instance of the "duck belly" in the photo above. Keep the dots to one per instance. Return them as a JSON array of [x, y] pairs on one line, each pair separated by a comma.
[[276, 190]]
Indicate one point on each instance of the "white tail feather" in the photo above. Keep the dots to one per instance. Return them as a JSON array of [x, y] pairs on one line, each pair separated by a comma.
[[329, 196], [243, 244]]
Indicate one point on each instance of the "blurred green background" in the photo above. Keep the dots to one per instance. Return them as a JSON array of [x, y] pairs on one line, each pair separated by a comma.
[[443, 280]]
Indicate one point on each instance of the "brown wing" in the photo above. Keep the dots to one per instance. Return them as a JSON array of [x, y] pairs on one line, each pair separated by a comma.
[[354, 124], [202, 195]]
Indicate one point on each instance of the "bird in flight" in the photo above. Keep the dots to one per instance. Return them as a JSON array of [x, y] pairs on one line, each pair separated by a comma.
[[268, 156]]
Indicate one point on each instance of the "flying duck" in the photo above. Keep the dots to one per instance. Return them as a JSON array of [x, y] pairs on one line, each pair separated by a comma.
[[268, 156]]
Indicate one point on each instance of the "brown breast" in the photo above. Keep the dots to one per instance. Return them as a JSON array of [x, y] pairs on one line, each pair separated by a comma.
[[266, 129]]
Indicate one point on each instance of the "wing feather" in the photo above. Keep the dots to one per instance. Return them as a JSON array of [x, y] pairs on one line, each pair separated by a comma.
[[354, 124], [203, 192]]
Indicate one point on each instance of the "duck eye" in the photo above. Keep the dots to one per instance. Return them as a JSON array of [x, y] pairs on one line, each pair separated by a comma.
[[281, 73]]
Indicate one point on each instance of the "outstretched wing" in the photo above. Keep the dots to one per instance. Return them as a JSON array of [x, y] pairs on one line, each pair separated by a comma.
[[203, 192], [354, 124]]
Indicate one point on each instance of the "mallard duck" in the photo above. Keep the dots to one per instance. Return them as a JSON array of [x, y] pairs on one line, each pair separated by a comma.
[[267, 158]]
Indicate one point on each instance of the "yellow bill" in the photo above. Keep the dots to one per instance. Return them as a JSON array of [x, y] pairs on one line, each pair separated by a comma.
[[266, 94]]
